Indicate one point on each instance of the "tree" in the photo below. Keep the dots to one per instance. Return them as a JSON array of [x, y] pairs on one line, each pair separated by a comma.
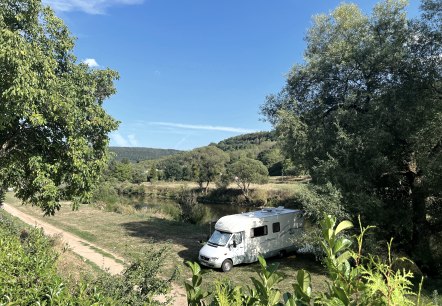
[[246, 171], [272, 159], [53, 128], [208, 164], [120, 170], [364, 113]]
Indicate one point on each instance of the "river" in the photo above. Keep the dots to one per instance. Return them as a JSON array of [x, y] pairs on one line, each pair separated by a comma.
[[171, 207]]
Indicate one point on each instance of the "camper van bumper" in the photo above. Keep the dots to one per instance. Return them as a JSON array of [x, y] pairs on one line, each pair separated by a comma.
[[210, 262]]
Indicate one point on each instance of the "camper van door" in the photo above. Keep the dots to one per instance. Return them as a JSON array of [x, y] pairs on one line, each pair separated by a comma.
[[237, 248]]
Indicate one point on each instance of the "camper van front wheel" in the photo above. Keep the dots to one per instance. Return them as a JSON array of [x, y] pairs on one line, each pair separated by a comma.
[[227, 265]]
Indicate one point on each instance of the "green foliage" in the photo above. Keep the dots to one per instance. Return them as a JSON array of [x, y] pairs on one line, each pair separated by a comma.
[[246, 141], [225, 294], [139, 154], [53, 127], [140, 282], [317, 200], [195, 294], [363, 114], [106, 193], [355, 279], [208, 164], [191, 210], [246, 171], [266, 293]]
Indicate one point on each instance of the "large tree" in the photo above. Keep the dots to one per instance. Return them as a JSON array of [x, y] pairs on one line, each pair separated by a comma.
[[364, 112], [53, 128], [246, 171], [208, 164]]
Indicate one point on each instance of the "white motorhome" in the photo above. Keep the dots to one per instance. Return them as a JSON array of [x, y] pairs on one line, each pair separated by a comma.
[[242, 237]]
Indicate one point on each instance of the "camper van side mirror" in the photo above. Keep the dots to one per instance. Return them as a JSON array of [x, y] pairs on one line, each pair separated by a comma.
[[234, 243]]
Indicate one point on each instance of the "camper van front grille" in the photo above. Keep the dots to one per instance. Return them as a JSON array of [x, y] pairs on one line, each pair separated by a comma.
[[204, 258]]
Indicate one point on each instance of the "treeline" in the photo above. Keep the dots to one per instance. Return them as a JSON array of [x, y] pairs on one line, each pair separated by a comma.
[[134, 154], [205, 164]]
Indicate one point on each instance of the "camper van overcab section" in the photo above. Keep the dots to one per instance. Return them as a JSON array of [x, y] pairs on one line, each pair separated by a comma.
[[242, 237]]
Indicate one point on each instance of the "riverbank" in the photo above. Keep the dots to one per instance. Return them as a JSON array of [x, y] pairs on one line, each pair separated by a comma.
[[280, 191]]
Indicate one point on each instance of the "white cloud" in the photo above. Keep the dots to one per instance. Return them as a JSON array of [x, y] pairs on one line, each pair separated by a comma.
[[87, 6], [204, 127], [119, 140], [91, 62]]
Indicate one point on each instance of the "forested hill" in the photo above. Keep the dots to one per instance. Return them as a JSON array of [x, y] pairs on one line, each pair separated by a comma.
[[138, 154], [246, 141]]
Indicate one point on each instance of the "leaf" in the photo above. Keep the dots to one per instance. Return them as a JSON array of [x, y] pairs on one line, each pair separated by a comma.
[[341, 245], [262, 261], [340, 293], [343, 257], [304, 280], [343, 226]]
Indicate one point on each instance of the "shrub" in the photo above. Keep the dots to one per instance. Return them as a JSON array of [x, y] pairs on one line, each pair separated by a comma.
[[191, 210]]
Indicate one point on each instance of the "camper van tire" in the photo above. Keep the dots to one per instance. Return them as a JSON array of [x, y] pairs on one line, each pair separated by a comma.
[[227, 265]]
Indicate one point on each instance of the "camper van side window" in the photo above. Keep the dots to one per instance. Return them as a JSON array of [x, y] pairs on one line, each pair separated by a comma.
[[259, 231], [276, 227]]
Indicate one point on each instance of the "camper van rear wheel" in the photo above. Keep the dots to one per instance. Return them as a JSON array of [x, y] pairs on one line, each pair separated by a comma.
[[227, 265]]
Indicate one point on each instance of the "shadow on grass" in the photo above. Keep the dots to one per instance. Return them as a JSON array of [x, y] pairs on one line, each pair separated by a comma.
[[287, 265], [162, 231]]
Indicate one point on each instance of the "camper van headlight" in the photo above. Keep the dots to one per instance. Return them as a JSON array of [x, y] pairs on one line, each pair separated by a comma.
[[214, 259]]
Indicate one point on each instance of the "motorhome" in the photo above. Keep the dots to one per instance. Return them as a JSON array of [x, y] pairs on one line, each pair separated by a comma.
[[242, 237]]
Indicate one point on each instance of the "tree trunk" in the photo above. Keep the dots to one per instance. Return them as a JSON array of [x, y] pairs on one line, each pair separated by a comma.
[[420, 240]]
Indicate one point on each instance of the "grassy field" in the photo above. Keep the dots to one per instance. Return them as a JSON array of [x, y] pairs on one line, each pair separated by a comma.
[[129, 235]]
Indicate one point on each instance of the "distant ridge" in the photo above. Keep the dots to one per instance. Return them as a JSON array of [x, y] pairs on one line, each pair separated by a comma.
[[246, 141], [137, 154]]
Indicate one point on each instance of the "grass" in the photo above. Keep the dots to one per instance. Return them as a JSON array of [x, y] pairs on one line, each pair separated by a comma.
[[128, 235]]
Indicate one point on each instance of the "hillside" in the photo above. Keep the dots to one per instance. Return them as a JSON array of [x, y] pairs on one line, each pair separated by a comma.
[[138, 154], [246, 141]]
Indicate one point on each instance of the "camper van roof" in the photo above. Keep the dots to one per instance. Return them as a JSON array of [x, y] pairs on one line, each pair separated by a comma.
[[243, 221]]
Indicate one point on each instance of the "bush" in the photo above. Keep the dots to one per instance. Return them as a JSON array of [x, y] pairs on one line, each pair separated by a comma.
[[138, 284], [191, 210], [316, 200], [258, 197]]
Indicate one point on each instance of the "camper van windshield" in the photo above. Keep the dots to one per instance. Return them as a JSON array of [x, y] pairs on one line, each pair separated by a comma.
[[220, 238]]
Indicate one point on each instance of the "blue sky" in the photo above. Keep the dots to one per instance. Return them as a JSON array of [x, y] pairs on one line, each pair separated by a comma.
[[192, 72]]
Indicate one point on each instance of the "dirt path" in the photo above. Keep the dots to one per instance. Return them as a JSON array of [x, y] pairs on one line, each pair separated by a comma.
[[87, 250]]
